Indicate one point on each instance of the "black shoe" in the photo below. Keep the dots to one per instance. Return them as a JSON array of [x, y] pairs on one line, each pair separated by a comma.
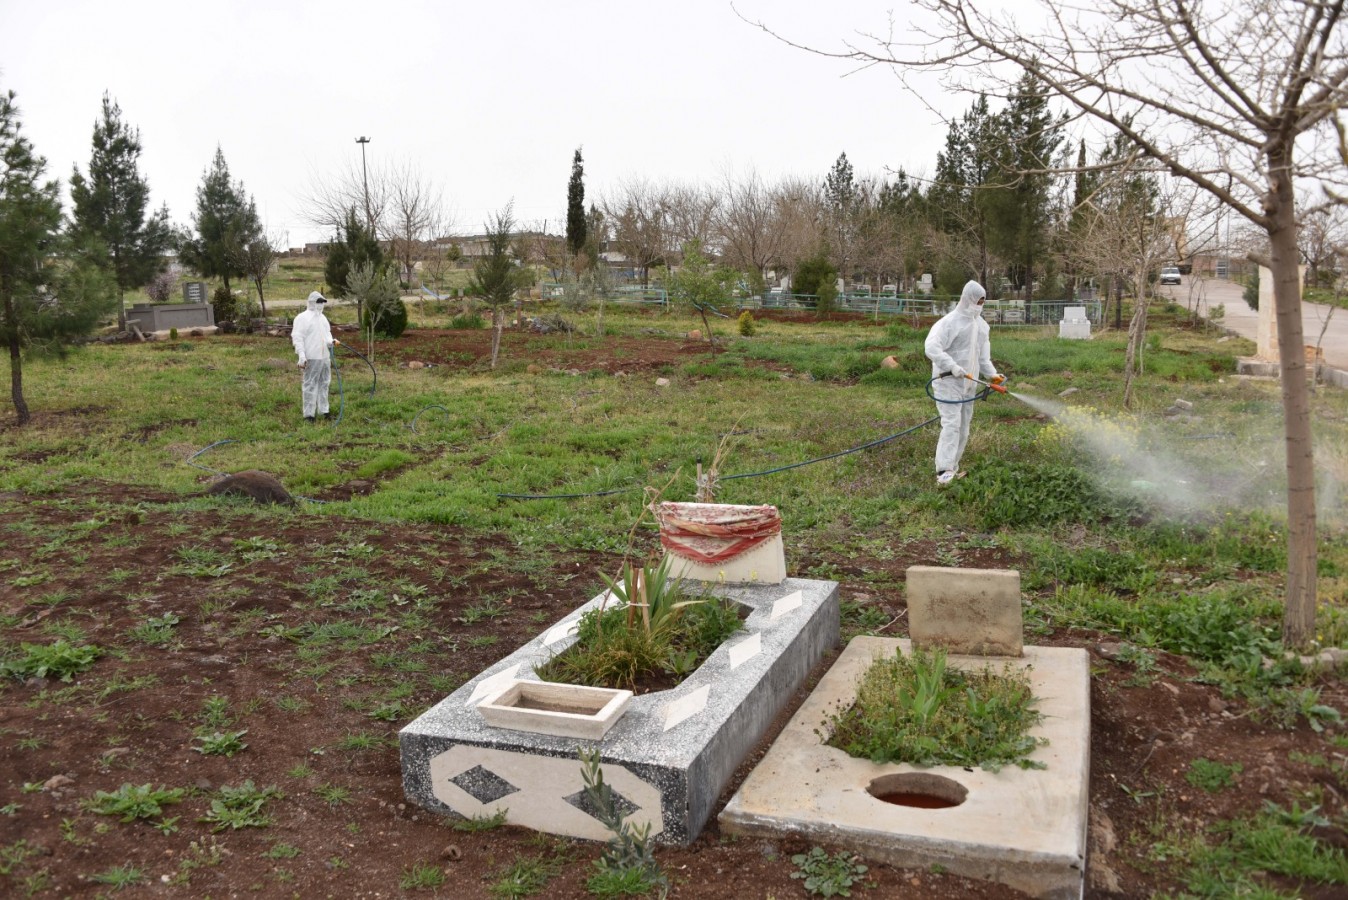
[[308, 418]]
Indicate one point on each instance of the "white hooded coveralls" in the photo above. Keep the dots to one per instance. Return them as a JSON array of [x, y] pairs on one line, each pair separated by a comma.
[[312, 336], [958, 344]]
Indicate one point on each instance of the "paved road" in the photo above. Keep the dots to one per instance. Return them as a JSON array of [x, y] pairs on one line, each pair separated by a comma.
[[1239, 318]]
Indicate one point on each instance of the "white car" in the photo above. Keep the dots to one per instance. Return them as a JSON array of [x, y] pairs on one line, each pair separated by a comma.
[[1170, 275]]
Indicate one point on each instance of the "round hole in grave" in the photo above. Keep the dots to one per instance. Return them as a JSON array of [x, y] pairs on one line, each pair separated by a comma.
[[918, 789]]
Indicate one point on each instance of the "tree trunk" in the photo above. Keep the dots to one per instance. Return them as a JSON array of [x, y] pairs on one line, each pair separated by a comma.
[[15, 364], [497, 323], [121, 309], [1137, 329], [1298, 625]]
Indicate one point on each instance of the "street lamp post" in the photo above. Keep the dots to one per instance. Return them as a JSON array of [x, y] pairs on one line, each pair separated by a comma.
[[365, 182]]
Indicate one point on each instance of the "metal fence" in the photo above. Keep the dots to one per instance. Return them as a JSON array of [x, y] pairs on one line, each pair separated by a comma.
[[915, 306]]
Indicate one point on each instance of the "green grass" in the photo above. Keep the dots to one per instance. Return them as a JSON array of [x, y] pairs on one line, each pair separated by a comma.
[[918, 710]]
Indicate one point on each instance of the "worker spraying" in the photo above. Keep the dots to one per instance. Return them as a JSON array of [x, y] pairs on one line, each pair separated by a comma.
[[312, 336], [959, 350]]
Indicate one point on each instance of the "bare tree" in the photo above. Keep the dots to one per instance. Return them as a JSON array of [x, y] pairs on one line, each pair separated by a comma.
[[1323, 234], [329, 198], [1229, 96], [414, 215], [692, 211], [750, 225], [800, 203], [257, 258], [639, 213]]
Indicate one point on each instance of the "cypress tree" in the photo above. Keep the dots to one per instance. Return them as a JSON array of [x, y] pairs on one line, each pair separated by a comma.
[[576, 224]]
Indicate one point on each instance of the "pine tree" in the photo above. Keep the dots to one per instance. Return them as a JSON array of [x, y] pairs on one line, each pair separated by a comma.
[[355, 247], [111, 203], [576, 224], [496, 275], [225, 222], [840, 198], [45, 298]]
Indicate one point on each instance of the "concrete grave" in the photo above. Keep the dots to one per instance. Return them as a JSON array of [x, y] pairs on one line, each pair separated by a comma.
[[971, 611], [1074, 325], [1021, 827], [668, 757]]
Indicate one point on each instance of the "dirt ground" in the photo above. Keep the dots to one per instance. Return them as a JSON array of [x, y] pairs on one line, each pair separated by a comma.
[[321, 718]]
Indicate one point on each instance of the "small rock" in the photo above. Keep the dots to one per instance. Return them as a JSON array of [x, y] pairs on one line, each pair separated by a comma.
[[662, 382], [889, 362], [533, 368], [573, 372], [116, 752], [57, 781], [1184, 405], [619, 374], [695, 335], [1216, 704], [1109, 650], [414, 364], [451, 852], [1170, 687], [1068, 392]]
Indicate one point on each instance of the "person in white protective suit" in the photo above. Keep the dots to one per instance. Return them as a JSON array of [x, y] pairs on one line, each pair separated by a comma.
[[957, 346], [312, 336]]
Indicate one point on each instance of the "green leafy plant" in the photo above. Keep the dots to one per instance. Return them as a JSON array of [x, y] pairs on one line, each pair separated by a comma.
[[240, 807], [828, 876], [119, 877], [656, 628], [1212, 776], [133, 802], [629, 857], [421, 877], [61, 659], [483, 822], [919, 710], [524, 876], [221, 743], [333, 794], [282, 850]]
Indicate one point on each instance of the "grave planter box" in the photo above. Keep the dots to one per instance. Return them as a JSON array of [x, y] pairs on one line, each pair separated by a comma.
[[565, 710], [667, 758]]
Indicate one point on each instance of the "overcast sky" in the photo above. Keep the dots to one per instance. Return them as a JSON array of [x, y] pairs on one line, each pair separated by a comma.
[[489, 98]]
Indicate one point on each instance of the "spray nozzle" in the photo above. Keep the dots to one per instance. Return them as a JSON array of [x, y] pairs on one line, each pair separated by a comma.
[[999, 387]]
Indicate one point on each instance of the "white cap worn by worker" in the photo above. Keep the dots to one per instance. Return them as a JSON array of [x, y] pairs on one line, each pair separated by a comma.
[[957, 346]]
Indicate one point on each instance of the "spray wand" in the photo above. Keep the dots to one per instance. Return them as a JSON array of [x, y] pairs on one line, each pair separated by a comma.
[[999, 386]]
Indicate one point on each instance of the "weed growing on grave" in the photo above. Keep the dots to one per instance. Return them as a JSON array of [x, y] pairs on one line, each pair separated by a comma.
[[221, 743], [156, 630], [629, 858], [421, 877], [828, 876], [333, 794], [119, 877], [483, 822], [1235, 858], [525, 875], [282, 850], [658, 628], [61, 659], [1212, 776], [241, 807], [916, 709], [133, 802]]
